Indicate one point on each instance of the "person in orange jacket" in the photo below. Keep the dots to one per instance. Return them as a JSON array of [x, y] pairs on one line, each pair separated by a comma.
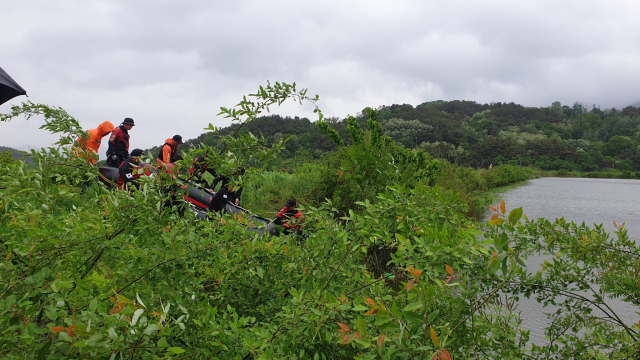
[[92, 144], [169, 151]]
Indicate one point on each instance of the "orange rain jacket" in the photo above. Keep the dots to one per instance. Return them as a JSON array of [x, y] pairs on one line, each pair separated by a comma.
[[95, 137], [167, 152]]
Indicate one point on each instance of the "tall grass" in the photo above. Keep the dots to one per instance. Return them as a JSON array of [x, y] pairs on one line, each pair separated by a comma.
[[265, 192]]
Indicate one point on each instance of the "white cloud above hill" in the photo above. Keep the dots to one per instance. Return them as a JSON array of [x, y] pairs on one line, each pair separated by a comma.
[[170, 65]]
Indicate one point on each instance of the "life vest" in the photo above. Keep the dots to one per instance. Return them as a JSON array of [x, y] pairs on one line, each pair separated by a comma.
[[174, 152]]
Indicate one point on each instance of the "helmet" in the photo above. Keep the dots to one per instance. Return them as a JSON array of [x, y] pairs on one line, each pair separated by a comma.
[[128, 121]]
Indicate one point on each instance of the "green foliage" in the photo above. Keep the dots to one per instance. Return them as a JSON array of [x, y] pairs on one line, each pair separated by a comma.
[[508, 174], [582, 270], [575, 139], [362, 170], [6, 158], [108, 274], [56, 120]]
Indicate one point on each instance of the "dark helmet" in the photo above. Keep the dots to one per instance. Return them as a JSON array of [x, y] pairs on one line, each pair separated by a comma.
[[137, 152], [291, 203], [177, 139], [128, 121]]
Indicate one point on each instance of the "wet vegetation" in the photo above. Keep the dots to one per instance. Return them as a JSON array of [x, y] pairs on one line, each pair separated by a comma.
[[396, 264]]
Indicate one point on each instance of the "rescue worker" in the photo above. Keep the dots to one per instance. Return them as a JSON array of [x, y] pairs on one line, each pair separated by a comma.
[[198, 168], [92, 144], [222, 197], [290, 218], [226, 181], [129, 171], [169, 151], [119, 143]]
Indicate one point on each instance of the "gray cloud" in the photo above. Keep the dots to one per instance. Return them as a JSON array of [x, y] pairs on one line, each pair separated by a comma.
[[171, 65]]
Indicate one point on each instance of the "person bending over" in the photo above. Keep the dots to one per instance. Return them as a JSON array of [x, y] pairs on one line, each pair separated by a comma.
[[290, 218], [129, 171], [198, 168], [237, 192], [92, 143]]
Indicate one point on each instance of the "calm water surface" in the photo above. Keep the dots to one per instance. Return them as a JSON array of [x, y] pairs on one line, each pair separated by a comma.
[[594, 201]]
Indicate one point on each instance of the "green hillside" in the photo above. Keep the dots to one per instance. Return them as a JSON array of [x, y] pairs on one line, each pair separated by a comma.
[[554, 138]]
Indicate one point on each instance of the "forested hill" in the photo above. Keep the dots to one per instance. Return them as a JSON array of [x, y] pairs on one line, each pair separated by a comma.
[[574, 138], [15, 154]]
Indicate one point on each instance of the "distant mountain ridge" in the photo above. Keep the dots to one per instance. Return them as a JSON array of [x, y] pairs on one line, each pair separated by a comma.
[[16, 154], [636, 104]]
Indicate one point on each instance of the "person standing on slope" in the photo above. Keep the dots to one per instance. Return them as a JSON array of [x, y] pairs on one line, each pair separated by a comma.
[[119, 143], [91, 145], [169, 151]]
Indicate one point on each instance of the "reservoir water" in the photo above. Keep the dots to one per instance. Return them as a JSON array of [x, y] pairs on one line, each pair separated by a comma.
[[594, 201]]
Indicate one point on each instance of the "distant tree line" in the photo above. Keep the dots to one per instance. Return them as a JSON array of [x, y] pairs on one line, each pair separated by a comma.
[[557, 137]]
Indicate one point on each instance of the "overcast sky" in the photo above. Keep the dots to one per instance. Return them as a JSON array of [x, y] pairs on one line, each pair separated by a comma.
[[171, 65]]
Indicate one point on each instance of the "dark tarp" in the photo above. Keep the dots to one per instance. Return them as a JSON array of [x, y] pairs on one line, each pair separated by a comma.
[[9, 88]]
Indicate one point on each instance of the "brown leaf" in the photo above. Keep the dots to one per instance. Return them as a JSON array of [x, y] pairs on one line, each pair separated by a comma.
[[380, 340], [345, 340], [343, 327], [410, 284], [503, 208], [418, 273], [370, 301], [444, 354], [57, 329], [372, 311], [449, 269], [434, 337], [356, 335], [70, 332], [495, 216], [116, 309], [493, 208]]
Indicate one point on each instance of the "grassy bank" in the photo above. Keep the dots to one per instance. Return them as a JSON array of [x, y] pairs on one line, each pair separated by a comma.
[[477, 188]]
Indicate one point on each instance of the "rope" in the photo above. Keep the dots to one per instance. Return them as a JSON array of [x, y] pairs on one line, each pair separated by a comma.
[[104, 178]]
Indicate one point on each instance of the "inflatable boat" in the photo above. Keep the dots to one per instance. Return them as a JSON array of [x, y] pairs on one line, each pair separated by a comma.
[[199, 200]]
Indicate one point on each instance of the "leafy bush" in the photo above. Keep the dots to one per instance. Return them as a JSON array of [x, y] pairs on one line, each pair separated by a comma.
[[508, 174], [108, 274]]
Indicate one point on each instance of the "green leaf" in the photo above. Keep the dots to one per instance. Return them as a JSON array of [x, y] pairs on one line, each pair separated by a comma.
[[175, 350], [497, 221], [260, 272], [412, 306], [497, 243], [522, 261], [93, 304], [362, 326], [136, 316], [515, 215], [162, 343]]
